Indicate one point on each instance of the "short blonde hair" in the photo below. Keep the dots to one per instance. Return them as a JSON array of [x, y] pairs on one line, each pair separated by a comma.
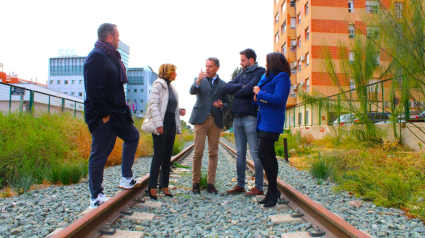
[[165, 70]]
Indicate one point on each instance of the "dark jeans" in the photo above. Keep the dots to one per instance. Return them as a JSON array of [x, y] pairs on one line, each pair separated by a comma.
[[162, 148], [103, 141], [267, 156]]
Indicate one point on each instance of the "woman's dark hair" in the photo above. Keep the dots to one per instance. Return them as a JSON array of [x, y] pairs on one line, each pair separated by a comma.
[[276, 63]]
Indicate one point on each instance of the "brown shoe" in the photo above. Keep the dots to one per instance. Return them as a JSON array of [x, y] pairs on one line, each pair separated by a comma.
[[196, 189], [236, 190], [254, 192], [211, 189]]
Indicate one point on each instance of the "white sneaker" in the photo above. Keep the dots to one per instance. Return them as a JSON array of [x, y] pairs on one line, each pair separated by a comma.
[[101, 198], [128, 184]]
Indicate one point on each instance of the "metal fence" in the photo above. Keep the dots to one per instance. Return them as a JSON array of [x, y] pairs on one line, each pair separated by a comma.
[[19, 99], [376, 98]]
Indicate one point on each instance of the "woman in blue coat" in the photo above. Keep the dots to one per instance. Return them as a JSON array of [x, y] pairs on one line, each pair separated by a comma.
[[271, 95]]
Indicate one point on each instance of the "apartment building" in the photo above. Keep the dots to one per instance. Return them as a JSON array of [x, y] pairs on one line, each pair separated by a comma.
[[302, 29]]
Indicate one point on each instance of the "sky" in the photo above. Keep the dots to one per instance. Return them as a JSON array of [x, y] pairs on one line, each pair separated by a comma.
[[182, 32]]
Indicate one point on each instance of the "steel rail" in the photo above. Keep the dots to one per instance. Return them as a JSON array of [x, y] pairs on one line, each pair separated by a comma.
[[315, 213], [90, 224]]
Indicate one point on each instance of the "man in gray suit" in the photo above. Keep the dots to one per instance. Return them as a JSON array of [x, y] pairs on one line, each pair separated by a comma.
[[207, 117]]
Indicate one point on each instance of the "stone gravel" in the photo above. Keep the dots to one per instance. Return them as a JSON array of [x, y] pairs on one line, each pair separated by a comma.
[[39, 212], [377, 221]]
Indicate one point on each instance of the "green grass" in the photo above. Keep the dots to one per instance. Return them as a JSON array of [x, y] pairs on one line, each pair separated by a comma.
[[203, 183], [321, 169], [179, 165]]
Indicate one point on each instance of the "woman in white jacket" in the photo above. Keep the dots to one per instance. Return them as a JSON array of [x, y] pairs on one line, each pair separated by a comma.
[[165, 115]]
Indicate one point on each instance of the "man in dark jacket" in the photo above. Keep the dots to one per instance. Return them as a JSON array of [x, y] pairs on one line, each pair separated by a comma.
[[106, 112], [245, 121]]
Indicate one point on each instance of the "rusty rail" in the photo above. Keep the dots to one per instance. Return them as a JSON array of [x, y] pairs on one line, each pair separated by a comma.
[[89, 224], [314, 213]]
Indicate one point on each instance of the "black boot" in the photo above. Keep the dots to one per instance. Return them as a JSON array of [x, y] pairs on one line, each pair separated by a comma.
[[266, 198], [272, 199]]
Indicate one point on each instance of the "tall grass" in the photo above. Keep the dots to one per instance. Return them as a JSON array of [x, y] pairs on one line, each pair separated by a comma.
[[321, 168]]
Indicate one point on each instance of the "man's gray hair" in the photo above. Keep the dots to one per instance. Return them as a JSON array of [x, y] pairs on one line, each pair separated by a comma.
[[215, 60], [105, 30]]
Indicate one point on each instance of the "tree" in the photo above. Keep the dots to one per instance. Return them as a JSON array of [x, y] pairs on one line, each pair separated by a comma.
[[228, 117]]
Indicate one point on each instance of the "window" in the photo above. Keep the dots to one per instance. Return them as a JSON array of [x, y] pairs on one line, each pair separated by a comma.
[[352, 84], [307, 59], [81, 81], [277, 17], [350, 6], [80, 94], [373, 88], [58, 82], [292, 3], [372, 32], [307, 34], [141, 90], [299, 65], [294, 71], [293, 95], [299, 18], [283, 7], [135, 90], [51, 81], [306, 118], [306, 8], [276, 1], [293, 45], [277, 37], [398, 7], [300, 117], [73, 82], [128, 90], [307, 85], [378, 59], [141, 100], [293, 22], [283, 27], [72, 94], [351, 56], [66, 82], [284, 49], [141, 111], [299, 41], [351, 31], [372, 6], [65, 92]]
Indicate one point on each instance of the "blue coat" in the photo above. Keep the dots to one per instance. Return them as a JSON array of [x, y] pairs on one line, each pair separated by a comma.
[[271, 101]]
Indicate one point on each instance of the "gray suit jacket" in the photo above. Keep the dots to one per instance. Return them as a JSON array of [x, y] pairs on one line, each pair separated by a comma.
[[205, 97]]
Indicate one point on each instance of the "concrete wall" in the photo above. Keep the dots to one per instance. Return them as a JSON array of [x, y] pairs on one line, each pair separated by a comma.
[[410, 133]]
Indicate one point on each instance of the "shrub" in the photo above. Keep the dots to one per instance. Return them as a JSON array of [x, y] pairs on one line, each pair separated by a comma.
[[321, 168], [22, 183]]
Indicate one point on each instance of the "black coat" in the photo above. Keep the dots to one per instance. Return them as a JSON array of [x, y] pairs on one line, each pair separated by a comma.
[[104, 92], [242, 103]]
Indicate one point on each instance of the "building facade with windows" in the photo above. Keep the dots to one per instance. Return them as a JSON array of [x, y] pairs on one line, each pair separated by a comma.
[[302, 29], [139, 89], [66, 72]]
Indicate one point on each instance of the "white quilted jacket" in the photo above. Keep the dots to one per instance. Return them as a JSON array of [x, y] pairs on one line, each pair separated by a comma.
[[158, 103]]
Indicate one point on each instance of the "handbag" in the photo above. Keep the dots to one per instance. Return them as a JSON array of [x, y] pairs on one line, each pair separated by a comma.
[[148, 125]]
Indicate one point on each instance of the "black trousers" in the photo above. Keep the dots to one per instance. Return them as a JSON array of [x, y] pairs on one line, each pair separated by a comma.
[[162, 149], [267, 156]]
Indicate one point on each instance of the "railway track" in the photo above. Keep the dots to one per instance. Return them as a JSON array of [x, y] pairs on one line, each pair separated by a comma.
[[119, 210]]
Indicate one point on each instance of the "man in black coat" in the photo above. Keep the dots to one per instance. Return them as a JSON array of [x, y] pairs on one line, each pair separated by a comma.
[[106, 112], [245, 121]]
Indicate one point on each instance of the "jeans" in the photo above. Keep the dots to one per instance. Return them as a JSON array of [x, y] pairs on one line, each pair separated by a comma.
[[245, 131], [162, 149], [103, 141]]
